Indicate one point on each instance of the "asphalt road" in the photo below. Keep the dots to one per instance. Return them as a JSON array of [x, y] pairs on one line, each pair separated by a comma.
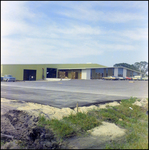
[[67, 93]]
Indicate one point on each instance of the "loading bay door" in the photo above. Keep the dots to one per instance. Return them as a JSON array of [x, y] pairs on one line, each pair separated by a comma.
[[51, 72], [29, 75]]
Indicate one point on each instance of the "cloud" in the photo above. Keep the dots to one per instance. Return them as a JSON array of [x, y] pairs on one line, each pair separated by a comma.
[[136, 34], [15, 10], [88, 11], [41, 38], [13, 15]]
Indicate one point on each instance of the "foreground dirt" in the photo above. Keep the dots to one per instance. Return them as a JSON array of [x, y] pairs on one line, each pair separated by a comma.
[[19, 127]]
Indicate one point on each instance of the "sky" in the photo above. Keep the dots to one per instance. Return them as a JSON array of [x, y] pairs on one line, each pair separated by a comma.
[[61, 32]]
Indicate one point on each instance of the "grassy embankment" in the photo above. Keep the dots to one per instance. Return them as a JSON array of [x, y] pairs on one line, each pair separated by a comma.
[[134, 120]]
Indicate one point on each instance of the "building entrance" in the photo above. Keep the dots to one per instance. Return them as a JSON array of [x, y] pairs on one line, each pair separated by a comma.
[[29, 75], [51, 72]]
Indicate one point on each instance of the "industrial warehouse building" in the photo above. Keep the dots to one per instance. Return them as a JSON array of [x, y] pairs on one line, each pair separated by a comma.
[[71, 71]]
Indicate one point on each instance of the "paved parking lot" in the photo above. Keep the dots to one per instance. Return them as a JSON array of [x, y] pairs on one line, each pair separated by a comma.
[[67, 93]]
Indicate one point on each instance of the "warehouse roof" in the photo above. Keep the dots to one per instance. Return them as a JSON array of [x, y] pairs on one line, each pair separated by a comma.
[[65, 66]]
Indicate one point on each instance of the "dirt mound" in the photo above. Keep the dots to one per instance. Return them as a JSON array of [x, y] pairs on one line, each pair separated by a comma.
[[19, 129]]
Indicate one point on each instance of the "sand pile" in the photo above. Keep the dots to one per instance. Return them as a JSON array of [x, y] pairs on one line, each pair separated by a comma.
[[19, 120]]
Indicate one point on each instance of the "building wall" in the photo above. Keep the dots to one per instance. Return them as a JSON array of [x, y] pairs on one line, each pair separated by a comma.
[[69, 74], [124, 72], [17, 71], [115, 71], [79, 75], [86, 73]]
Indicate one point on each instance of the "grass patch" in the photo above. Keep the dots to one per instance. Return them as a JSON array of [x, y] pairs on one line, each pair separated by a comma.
[[71, 125], [134, 120], [62, 129], [136, 137], [2, 143], [83, 121], [136, 123]]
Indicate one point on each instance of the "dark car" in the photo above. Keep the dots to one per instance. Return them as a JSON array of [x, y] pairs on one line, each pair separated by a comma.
[[1, 78]]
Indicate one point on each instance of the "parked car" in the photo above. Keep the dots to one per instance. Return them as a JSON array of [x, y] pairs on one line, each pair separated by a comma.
[[128, 78], [115, 77], [121, 78], [1, 78], [9, 78], [110, 78], [137, 78], [145, 78], [107, 78]]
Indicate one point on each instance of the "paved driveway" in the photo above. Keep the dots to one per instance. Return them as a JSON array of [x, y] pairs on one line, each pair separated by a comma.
[[68, 93]]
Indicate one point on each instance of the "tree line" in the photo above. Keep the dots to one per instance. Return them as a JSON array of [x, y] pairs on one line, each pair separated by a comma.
[[141, 66]]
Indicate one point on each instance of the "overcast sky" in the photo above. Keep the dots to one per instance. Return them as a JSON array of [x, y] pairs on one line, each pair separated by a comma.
[[102, 32]]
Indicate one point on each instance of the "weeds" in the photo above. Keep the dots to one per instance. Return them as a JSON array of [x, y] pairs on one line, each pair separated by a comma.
[[2, 143], [82, 120], [62, 129], [134, 120], [71, 125]]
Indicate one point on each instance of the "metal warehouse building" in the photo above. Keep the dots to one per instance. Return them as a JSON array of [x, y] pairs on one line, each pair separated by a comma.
[[71, 71]]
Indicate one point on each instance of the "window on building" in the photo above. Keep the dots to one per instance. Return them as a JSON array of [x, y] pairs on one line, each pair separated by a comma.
[[120, 72], [97, 73], [111, 72], [135, 73], [131, 73], [106, 72]]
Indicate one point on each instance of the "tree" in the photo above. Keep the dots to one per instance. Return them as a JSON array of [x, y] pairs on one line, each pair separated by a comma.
[[126, 65], [142, 67], [138, 66]]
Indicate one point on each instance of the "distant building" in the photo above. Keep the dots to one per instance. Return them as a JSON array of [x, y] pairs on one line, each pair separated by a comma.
[[72, 71]]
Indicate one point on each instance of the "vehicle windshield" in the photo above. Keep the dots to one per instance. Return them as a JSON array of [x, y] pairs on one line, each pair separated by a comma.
[[8, 75]]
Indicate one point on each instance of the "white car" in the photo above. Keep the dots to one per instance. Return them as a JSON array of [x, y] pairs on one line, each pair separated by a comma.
[[121, 78]]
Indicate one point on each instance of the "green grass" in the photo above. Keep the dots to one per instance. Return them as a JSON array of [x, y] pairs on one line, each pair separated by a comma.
[[83, 121], [62, 129], [2, 143], [135, 121], [71, 125]]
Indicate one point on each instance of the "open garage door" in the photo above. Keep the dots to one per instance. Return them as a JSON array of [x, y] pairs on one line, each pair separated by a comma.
[[51, 72], [29, 75]]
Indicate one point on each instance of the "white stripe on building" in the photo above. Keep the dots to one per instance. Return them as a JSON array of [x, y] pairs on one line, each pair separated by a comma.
[[86, 73], [124, 72], [116, 72]]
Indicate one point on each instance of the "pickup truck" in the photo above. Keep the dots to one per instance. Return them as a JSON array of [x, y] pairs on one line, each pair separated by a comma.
[[8, 78]]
